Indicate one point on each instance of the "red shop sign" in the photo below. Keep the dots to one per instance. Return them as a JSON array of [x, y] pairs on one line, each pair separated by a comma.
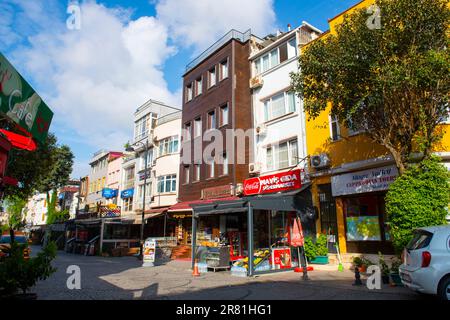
[[277, 182]]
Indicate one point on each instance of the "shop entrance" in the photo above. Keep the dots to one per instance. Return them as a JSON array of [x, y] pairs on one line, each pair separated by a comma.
[[365, 224], [328, 218]]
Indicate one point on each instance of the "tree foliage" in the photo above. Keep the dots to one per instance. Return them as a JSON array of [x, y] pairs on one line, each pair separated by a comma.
[[418, 198], [47, 168], [393, 81]]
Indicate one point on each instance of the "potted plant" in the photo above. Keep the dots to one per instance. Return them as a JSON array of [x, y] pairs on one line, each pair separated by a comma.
[[18, 273], [394, 274], [310, 249], [321, 250], [384, 268]]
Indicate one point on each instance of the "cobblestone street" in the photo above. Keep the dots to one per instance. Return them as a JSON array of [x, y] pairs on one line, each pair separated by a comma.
[[124, 278]]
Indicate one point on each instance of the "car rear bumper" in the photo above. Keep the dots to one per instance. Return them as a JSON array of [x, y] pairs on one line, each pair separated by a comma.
[[419, 280]]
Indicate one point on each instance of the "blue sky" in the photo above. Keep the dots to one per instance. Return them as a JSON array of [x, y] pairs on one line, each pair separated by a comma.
[[125, 53]]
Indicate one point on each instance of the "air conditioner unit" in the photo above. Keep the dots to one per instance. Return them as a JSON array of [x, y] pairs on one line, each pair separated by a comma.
[[254, 168], [261, 130], [256, 82], [320, 161]]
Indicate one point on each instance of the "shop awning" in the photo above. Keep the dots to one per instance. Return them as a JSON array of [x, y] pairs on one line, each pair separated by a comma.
[[222, 206], [187, 205], [296, 200], [18, 141]]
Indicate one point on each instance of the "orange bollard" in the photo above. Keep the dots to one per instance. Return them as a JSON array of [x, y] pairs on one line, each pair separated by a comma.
[[195, 272]]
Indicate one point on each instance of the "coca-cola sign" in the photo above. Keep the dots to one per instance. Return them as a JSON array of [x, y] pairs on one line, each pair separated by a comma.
[[272, 183]]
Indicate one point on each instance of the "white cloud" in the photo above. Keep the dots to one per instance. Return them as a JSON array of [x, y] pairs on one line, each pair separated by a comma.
[[200, 23], [95, 78]]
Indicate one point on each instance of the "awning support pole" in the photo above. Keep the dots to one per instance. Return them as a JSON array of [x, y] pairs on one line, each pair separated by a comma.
[[250, 239], [194, 238]]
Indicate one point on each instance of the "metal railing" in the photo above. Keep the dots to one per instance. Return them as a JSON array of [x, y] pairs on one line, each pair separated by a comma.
[[232, 34]]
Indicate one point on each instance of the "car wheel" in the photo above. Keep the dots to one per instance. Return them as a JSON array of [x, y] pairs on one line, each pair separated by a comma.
[[444, 289]]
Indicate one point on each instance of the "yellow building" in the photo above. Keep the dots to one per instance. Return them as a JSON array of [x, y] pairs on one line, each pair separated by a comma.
[[350, 176]]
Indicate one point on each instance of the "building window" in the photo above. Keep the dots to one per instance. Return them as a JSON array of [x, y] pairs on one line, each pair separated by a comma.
[[282, 156], [149, 159], [127, 204], [224, 69], [224, 164], [168, 146], [212, 77], [148, 190], [142, 127], [198, 86], [196, 172], [279, 105], [186, 174], [224, 115], [211, 166], [335, 132], [189, 92], [197, 127], [187, 131], [211, 120], [167, 183]]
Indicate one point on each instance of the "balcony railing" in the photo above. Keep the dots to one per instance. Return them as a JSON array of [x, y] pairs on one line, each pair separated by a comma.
[[104, 212], [233, 34]]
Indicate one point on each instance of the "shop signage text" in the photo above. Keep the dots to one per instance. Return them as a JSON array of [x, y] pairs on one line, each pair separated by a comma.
[[217, 192], [277, 182], [20, 103], [109, 193], [128, 193], [371, 180]]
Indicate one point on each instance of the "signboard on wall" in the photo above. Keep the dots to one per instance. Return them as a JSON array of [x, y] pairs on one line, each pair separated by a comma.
[[109, 193], [371, 180], [128, 193], [283, 181], [21, 104], [217, 192]]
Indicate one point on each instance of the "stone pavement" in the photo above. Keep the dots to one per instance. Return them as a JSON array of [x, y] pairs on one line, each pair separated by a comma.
[[124, 278]]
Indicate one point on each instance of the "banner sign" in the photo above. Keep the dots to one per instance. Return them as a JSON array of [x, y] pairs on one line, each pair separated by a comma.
[[128, 193], [371, 180], [149, 252], [20, 103], [297, 238], [284, 181], [109, 193]]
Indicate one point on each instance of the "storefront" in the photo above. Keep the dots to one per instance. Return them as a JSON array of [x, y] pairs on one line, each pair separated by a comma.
[[361, 197], [259, 225]]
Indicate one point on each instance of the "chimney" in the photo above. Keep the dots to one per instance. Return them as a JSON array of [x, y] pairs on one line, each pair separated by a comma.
[[289, 27]]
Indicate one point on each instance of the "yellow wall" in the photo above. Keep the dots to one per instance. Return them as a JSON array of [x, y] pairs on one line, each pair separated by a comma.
[[348, 148]]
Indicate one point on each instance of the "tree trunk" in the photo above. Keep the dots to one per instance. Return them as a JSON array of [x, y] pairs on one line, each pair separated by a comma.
[[398, 160], [12, 235]]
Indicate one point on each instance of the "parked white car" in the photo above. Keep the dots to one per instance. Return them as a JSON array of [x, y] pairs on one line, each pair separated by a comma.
[[426, 261]]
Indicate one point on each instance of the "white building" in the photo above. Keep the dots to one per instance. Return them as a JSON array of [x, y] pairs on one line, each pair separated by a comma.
[[159, 126], [279, 120]]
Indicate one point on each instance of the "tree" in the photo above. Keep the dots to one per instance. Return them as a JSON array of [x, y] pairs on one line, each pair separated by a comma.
[[418, 198], [391, 81]]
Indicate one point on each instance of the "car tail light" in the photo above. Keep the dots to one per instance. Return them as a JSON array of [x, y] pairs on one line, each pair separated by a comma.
[[426, 259]]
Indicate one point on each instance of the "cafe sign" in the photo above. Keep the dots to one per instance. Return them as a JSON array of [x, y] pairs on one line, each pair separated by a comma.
[[21, 104], [283, 181], [371, 180]]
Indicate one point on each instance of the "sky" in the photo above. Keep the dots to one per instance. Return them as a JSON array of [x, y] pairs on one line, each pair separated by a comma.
[[126, 52]]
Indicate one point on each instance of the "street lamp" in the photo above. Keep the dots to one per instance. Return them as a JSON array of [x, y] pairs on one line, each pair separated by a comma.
[[146, 148]]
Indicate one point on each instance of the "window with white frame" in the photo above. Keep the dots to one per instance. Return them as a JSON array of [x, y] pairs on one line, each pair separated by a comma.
[[149, 159], [196, 172], [224, 164], [212, 119], [287, 50], [148, 190], [142, 127], [186, 174], [335, 132], [283, 155], [212, 79], [279, 105], [168, 146], [197, 127], [127, 204], [188, 131], [198, 86], [189, 92], [224, 69], [224, 115], [167, 183]]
